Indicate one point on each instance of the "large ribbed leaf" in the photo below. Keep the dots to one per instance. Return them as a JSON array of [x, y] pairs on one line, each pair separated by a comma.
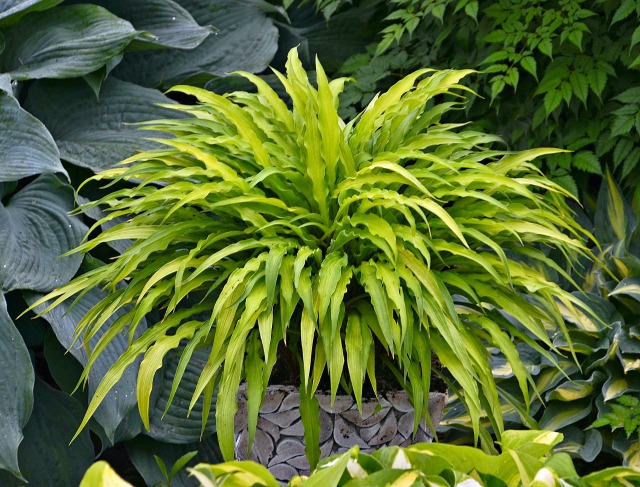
[[121, 399], [169, 23], [12, 10], [64, 42], [94, 133], [35, 230], [246, 39], [333, 41], [26, 146], [16, 390], [46, 455], [179, 425]]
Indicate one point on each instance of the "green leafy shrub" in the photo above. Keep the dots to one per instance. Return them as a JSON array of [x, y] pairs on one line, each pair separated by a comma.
[[396, 234], [607, 349], [625, 413], [525, 461], [562, 73]]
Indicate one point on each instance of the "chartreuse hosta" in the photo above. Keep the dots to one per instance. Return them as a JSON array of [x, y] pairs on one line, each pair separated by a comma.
[[526, 460], [393, 234]]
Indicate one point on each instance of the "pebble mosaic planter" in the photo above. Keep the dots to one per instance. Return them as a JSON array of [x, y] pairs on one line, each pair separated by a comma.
[[279, 443]]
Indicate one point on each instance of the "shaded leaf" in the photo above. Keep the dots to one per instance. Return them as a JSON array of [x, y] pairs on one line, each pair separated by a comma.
[[552, 100], [141, 449], [597, 80], [16, 390], [47, 456], [121, 399], [333, 41], [64, 367], [580, 86]]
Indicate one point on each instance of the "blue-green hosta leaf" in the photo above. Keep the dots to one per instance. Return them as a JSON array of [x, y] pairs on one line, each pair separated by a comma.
[[142, 448], [5, 79], [179, 425], [95, 79], [246, 40], [582, 444], [12, 10], [64, 43], [16, 390], [93, 133], [169, 23], [26, 146], [46, 455], [121, 399], [35, 230]]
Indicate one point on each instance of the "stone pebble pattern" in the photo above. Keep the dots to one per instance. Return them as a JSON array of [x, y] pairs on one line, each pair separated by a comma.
[[279, 439]]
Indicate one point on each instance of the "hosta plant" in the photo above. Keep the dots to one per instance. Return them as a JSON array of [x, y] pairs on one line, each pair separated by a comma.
[[591, 403], [526, 460], [394, 237]]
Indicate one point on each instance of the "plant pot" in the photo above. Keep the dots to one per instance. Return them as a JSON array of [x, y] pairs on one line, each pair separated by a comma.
[[279, 440]]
